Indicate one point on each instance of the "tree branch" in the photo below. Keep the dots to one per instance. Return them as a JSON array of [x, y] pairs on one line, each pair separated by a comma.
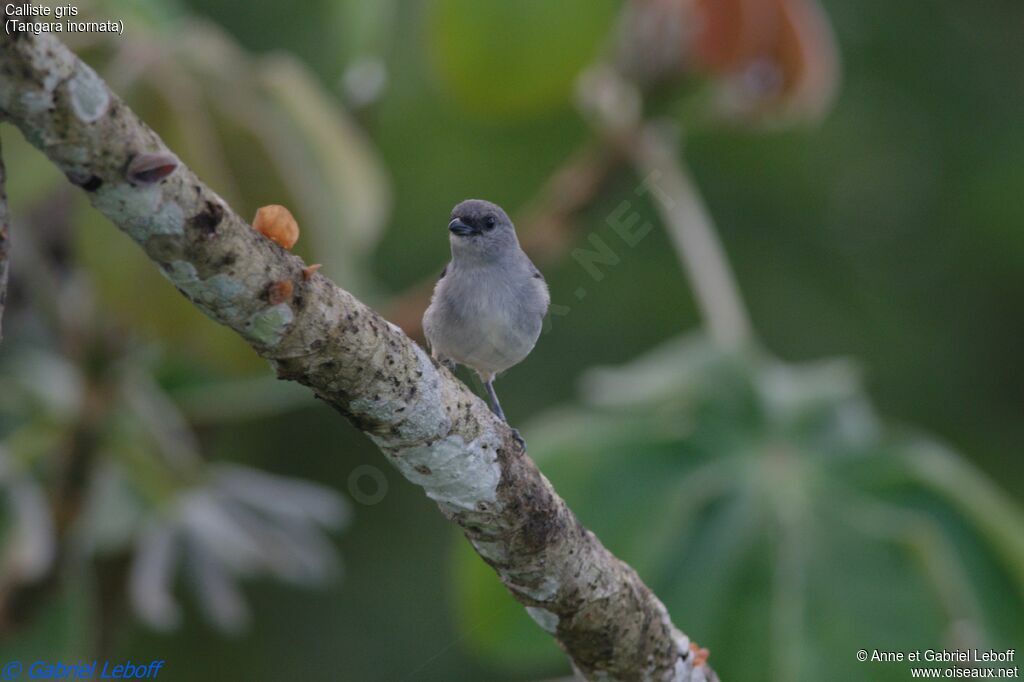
[[692, 231], [429, 425]]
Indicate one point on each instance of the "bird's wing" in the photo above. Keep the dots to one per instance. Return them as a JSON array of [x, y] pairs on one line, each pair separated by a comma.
[[542, 285]]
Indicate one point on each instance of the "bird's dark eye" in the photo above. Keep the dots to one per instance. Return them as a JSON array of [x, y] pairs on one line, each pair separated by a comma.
[[491, 222]]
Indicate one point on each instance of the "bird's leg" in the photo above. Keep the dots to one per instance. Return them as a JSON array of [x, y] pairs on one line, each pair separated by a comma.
[[496, 408], [495, 405]]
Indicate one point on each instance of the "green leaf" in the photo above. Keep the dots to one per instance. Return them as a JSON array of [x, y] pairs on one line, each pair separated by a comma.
[[516, 58], [774, 515]]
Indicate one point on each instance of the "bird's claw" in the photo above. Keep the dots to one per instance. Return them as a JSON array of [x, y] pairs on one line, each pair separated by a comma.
[[518, 438]]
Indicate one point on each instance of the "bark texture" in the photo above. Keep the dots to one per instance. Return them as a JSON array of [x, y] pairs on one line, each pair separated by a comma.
[[428, 424]]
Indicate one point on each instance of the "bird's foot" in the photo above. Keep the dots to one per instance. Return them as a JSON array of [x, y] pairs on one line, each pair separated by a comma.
[[518, 438]]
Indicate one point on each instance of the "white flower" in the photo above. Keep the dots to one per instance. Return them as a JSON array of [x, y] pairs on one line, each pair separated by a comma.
[[241, 523], [30, 544]]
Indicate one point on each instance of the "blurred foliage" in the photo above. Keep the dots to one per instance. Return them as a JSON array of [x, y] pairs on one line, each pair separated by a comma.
[[763, 61], [509, 59], [224, 112], [99, 465], [774, 514], [889, 232], [96, 462]]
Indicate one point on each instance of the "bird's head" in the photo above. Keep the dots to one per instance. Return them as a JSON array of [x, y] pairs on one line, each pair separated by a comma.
[[481, 231]]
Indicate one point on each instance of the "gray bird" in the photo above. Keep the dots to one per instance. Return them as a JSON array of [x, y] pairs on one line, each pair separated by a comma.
[[489, 305]]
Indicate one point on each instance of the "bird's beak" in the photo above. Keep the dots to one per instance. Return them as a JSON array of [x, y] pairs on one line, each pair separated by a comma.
[[461, 229]]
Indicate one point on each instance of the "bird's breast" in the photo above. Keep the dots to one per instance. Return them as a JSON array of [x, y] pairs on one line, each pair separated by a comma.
[[486, 327]]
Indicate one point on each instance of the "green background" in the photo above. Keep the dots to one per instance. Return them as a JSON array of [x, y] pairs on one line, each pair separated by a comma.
[[890, 233]]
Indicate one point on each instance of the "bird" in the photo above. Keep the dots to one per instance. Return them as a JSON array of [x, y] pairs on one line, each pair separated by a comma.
[[489, 304]]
